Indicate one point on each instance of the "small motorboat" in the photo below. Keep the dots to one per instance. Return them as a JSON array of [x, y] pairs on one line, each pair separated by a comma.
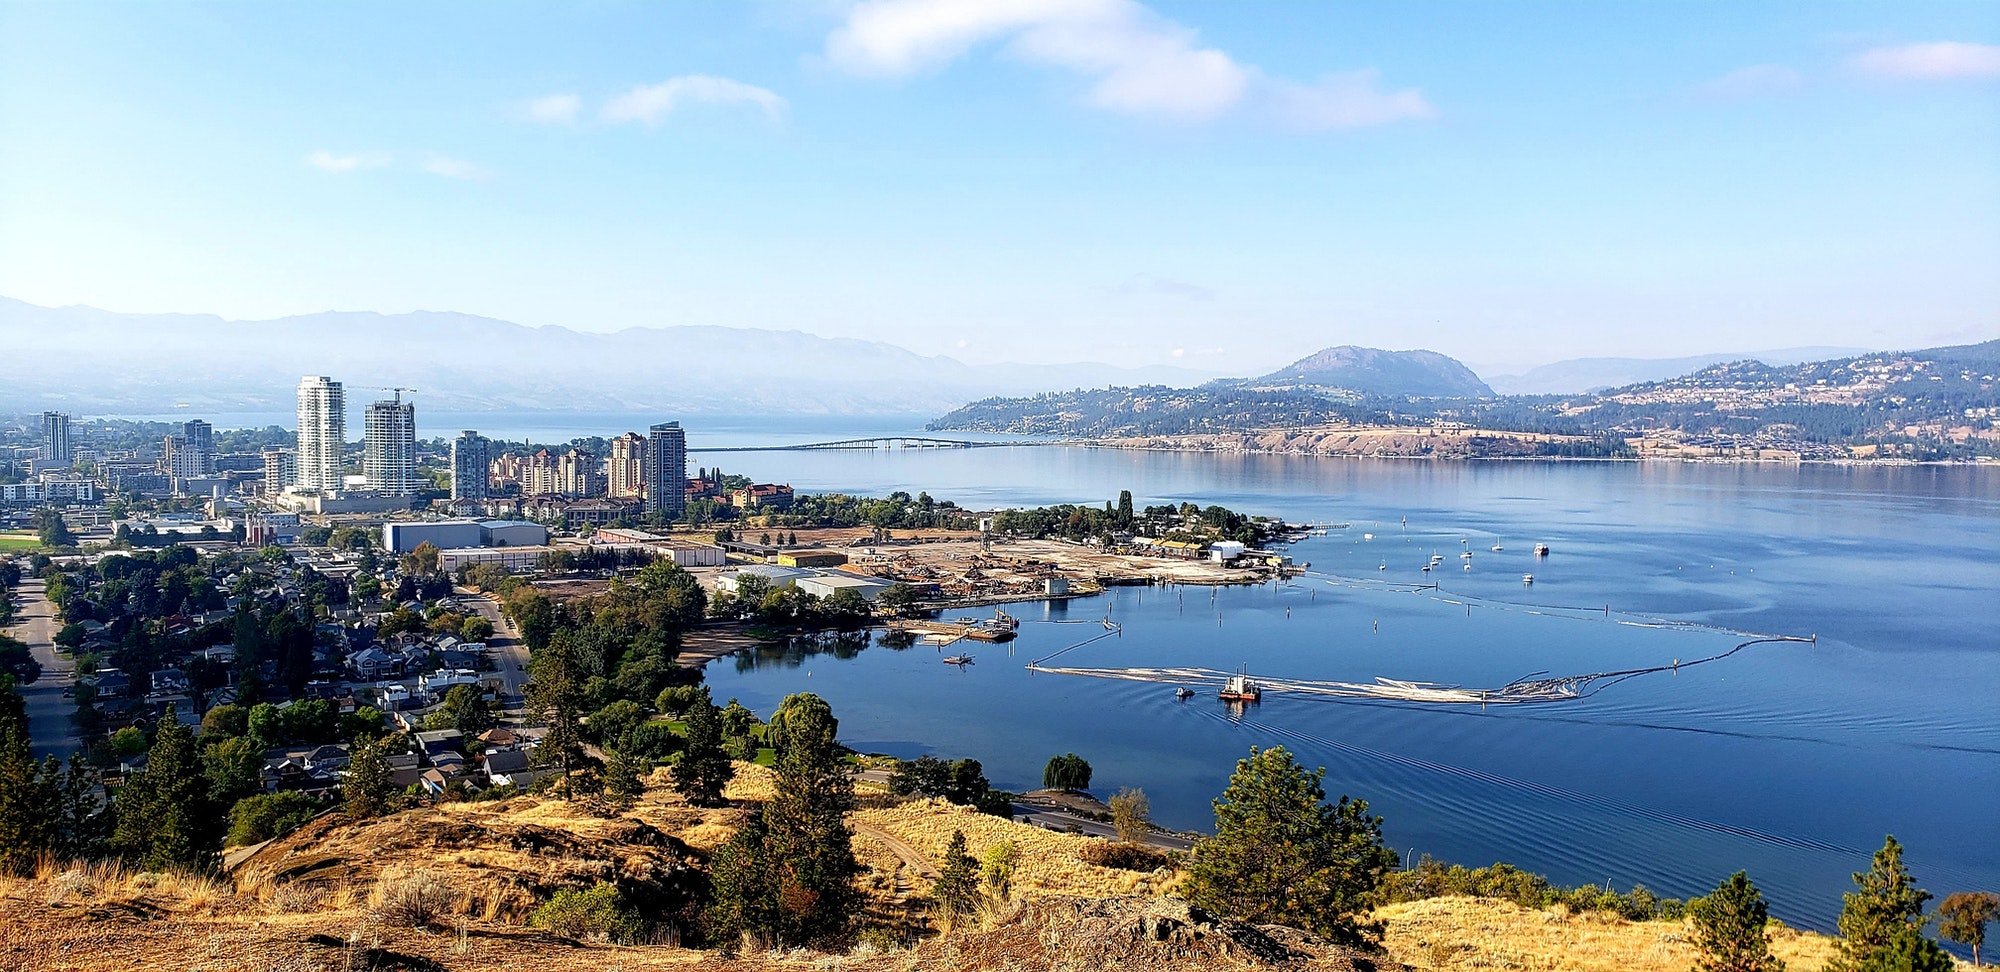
[[959, 660], [1541, 550], [1468, 566], [1466, 555], [1527, 578], [1183, 693], [1497, 548]]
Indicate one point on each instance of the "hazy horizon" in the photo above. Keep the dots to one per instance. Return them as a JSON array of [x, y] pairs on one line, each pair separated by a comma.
[[1216, 188]]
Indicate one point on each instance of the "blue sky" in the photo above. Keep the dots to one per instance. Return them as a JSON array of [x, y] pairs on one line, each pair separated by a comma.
[[1223, 186]]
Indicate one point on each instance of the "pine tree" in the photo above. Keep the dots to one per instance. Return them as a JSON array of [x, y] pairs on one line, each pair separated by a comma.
[[622, 785], [165, 817], [809, 846], [1282, 855], [1884, 902], [704, 768], [555, 697], [368, 788], [957, 887], [23, 801], [788, 880], [1729, 929], [744, 901]]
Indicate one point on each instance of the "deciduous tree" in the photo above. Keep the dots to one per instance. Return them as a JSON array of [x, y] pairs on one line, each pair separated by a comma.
[[1963, 917], [1132, 815]]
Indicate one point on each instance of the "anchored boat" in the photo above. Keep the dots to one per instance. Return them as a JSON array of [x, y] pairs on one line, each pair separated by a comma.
[[959, 660], [1240, 688]]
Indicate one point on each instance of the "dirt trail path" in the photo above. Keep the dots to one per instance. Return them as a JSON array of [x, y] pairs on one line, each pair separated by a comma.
[[908, 854]]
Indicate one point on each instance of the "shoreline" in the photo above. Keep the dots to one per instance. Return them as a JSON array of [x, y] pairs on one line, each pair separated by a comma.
[[1120, 445]]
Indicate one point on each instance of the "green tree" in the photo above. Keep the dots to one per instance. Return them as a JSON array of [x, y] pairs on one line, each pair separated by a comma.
[[1125, 508], [266, 725], [622, 785], [127, 742], [1906, 950], [791, 881], [997, 868], [1729, 929], [1885, 901], [369, 788], [1281, 854], [234, 767], [475, 629], [1132, 815], [165, 817], [1066, 772], [1963, 917], [225, 720], [264, 816], [704, 768], [744, 902], [556, 697], [464, 709], [956, 890], [898, 598], [49, 526]]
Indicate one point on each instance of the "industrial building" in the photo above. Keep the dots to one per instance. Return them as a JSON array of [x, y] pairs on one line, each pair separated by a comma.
[[827, 585], [773, 574], [452, 534]]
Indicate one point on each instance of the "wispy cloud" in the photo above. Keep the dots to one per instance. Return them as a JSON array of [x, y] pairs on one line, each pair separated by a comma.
[[329, 162], [1931, 61], [1755, 81], [557, 109], [450, 168], [652, 103], [1138, 62]]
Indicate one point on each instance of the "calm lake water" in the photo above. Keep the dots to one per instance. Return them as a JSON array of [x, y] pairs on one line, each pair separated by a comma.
[[1789, 760]]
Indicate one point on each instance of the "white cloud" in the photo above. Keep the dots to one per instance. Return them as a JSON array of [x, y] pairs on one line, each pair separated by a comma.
[[1351, 99], [1933, 61], [652, 103], [329, 162], [451, 168], [1755, 81], [1139, 62], [554, 109]]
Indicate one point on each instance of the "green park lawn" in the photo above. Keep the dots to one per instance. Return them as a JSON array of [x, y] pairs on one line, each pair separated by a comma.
[[12, 541]]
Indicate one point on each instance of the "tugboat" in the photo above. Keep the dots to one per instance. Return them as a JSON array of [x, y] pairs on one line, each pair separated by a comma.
[[1183, 693], [1240, 688]]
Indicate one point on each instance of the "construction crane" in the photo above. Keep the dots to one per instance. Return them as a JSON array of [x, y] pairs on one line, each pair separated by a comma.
[[397, 389]]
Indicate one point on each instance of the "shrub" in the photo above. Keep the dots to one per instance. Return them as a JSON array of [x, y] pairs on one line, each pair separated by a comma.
[[1123, 856], [416, 899], [595, 913]]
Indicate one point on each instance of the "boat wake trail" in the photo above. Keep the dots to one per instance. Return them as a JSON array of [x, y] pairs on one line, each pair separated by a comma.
[[1563, 611], [1521, 691]]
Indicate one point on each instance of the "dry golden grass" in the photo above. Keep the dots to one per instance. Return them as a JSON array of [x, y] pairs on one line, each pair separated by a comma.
[[1481, 933], [1050, 863]]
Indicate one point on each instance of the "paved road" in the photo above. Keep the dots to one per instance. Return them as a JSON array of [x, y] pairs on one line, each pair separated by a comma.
[[48, 711], [510, 654]]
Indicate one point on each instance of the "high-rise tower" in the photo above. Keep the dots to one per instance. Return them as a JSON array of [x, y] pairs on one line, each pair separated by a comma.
[[666, 471], [389, 447], [471, 453], [55, 437], [322, 432]]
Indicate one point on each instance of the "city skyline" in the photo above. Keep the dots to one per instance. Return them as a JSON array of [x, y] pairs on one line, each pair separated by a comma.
[[1142, 184]]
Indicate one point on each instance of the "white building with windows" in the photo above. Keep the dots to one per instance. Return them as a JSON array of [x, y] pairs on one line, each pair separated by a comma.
[[322, 433], [389, 447]]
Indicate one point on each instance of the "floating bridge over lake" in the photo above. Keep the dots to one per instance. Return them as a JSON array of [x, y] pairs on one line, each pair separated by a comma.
[[882, 443]]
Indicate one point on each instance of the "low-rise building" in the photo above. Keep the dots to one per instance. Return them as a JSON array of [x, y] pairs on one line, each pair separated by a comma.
[[827, 585], [772, 574], [811, 557]]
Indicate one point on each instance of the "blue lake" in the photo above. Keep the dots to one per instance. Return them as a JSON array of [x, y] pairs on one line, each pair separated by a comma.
[[1790, 760]]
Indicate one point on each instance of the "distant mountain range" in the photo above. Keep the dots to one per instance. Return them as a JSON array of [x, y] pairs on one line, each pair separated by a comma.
[[1933, 403], [91, 361], [1579, 375]]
